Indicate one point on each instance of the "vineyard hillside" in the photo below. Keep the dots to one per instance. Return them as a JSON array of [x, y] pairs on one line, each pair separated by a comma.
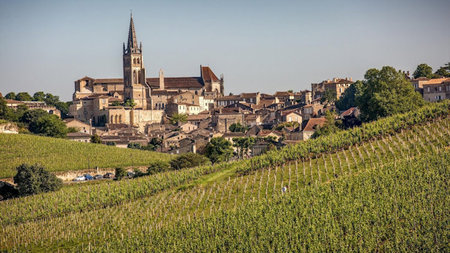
[[382, 188], [64, 155]]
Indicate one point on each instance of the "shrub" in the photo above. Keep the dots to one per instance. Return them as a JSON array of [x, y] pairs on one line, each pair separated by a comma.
[[188, 160], [34, 179], [120, 173], [158, 166]]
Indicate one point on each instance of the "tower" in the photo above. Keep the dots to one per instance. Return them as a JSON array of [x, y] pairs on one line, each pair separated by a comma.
[[135, 86]]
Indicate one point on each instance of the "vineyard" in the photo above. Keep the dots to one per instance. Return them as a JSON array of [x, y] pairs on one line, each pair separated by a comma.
[[382, 188], [64, 155]]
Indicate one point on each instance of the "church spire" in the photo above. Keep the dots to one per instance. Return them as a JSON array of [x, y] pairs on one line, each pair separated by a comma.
[[132, 42]]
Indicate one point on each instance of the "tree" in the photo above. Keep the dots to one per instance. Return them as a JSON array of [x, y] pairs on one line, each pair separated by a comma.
[[157, 167], [11, 95], [237, 127], [386, 92], [34, 179], [243, 144], [178, 117], [218, 149], [329, 96], [96, 139], [130, 103], [348, 98], [23, 96], [119, 173], [39, 96], [188, 160], [331, 125], [63, 107], [423, 70], [40, 122], [443, 71], [51, 99]]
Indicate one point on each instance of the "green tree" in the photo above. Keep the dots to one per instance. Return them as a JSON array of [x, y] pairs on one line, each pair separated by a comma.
[[218, 149], [348, 98], [42, 123], [157, 167], [51, 99], [39, 96], [23, 96], [329, 96], [64, 108], [96, 139], [188, 160], [34, 179], [243, 145], [386, 92], [11, 95], [237, 127], [443, 71], [423, 70], [120, 173], [130, 103], [178, 117]]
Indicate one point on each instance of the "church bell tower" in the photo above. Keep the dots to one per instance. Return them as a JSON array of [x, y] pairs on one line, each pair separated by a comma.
[[135, 86]]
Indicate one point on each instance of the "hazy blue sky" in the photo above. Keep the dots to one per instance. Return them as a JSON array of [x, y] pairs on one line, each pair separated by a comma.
[[257, 45]]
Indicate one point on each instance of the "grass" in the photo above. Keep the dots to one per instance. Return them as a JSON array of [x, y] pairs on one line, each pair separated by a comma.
[[59, 155]]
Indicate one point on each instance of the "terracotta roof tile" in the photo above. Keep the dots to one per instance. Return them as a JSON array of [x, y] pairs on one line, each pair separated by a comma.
[[314, 122], [208, 75], [177, 82]]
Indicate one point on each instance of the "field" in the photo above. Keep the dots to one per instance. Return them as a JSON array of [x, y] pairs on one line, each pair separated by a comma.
[[384, 189], [63, 155]]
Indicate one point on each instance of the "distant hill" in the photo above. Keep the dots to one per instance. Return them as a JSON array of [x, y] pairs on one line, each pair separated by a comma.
[[64, 155]]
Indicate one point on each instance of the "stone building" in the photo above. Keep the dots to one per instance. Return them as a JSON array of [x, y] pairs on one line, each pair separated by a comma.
[[135, 99], [337, 85]]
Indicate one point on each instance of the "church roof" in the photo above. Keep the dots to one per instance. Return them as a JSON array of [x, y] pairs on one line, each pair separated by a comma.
[[208, 75], [177, 82], [109, 80]]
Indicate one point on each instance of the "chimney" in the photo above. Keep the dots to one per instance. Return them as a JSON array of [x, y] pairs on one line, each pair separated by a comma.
[[161, 79]]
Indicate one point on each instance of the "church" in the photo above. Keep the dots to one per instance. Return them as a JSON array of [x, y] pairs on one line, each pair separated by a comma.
[[135, 99]]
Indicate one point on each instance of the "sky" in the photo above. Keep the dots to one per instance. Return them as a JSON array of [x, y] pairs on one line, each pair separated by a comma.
[[257, 45]]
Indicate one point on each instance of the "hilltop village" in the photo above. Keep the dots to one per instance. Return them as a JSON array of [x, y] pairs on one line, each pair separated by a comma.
[[181, 114]]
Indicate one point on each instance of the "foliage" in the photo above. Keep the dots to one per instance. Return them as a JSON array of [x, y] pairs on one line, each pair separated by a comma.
[[243, 145], [116, 103], [110, 143], [158, 167], [96, 139], [237, 127], [130, 103], [42, 123], [348, 98], [39, 96], [250, 212], [119, 173], [178, 118], [282, 125], [64, 155], [188, 160], [134, 145], [10, 95], [443, 71], [218, 149], [331, 126], [34, 179], [386, 92], [423, 70], [329, 96], [23, 96]]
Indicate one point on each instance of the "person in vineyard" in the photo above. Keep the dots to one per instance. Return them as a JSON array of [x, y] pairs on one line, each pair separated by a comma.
[[284, 189]]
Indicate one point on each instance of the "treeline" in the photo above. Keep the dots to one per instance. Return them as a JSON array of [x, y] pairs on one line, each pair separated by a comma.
[[35, 121], [48, 98]]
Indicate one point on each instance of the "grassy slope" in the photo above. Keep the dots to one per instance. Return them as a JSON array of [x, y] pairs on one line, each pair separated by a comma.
[[206, 197], [64, 155]]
